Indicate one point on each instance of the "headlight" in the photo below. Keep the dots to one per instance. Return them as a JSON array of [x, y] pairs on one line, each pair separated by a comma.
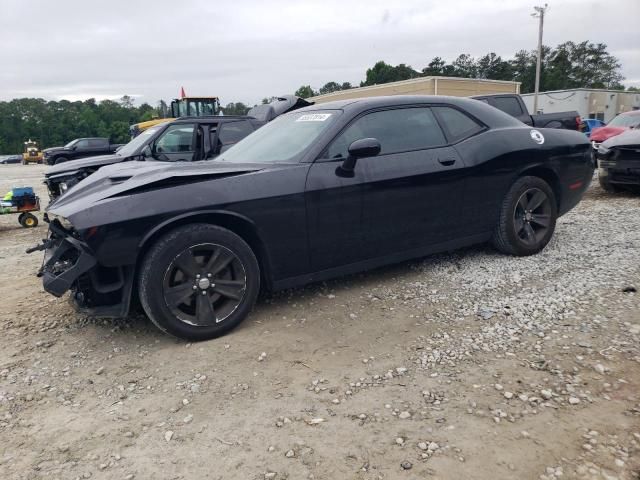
[[63, 187]]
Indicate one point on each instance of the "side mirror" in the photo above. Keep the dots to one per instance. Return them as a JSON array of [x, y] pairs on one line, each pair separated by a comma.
[[365, 147]]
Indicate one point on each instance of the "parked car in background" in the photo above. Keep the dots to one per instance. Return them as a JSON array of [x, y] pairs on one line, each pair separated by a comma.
[[619, 162], [6, 159], [513, 105], [323, 191], [590, 124], [217, 135], [183, 140], [79, 148], [621, 123]]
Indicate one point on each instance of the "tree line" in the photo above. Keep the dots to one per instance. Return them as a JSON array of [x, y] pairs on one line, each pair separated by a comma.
[[568, 65], [55, 123], [51, 123]]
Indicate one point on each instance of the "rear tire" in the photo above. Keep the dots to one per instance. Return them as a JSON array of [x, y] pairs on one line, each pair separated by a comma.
[[198, 282], [527, 218], [607, 186]]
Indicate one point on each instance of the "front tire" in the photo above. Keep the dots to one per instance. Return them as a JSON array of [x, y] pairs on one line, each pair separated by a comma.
[[198, 282], [60, 160], [527, 218]]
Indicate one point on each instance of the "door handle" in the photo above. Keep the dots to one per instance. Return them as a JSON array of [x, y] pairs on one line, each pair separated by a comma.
[[447, 162]]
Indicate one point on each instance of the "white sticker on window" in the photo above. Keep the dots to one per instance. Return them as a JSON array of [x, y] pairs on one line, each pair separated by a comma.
[[314, 117]]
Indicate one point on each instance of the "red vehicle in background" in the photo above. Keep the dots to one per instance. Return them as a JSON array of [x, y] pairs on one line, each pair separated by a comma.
[[621, 123]]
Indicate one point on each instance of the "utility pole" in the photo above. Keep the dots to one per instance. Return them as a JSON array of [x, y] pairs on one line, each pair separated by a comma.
[[539, 13]]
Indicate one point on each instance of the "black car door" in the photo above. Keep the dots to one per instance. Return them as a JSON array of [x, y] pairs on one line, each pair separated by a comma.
[[230, 133], [334, 215], [81, 150], [179, 142], [412, 190], [415, 184]]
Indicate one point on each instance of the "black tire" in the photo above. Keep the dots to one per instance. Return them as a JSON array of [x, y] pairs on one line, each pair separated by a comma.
[[175, 297], [607, 186], [28, 220], [525, 226], [60, 160]]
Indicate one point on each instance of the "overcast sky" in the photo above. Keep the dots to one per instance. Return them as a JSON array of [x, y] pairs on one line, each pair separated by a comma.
[[244, 50]]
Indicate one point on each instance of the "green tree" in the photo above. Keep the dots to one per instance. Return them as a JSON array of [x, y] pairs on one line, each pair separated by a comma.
[[382, 72], [330, 87], [435, 68], [237, 108], [305, 91], [465, 66], [492, 67]]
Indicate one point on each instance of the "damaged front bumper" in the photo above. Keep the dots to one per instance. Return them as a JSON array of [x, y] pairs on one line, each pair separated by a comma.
[[66, 258], [70, 265]]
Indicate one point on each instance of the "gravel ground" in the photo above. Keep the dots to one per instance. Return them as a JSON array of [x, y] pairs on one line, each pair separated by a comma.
[[462, 365]]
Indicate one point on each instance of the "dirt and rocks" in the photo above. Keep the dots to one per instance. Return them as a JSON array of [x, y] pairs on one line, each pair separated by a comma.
[[466, 365]]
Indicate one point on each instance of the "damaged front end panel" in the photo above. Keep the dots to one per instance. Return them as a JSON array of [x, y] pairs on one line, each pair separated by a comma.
[[70, 265]]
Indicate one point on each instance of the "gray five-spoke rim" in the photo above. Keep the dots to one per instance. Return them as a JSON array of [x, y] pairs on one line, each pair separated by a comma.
[[204, 284], [532, 216]]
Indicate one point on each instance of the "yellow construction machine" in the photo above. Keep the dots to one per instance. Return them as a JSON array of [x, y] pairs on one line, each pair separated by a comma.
[[32, 153], [181, 107]]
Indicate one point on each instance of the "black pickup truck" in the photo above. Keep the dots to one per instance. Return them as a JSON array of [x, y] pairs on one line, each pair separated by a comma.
[[79, 148], [513, 105]]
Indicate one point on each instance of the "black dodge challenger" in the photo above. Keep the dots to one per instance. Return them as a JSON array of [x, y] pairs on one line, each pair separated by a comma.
[[320, 192]]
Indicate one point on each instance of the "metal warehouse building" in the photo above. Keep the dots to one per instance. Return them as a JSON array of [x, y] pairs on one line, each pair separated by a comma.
[[457, 87], [589, 103]]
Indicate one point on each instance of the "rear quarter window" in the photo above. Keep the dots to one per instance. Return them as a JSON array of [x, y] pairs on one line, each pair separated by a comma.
[[457, 124]]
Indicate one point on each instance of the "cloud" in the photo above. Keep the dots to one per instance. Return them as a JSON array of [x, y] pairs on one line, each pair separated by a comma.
[[248, 49]]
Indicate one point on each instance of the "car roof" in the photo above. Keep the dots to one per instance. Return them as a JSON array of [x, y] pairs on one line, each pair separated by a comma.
[[631, 113], [484, 112]]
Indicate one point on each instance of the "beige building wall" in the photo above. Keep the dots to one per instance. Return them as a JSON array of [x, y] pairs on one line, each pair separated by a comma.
[[457, 87]]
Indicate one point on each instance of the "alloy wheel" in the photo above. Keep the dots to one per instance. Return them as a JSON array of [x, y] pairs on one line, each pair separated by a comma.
[[204, 284], [532, 216]]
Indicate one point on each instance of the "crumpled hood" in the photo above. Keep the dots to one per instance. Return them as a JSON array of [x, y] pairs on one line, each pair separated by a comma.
[[73, 165], [128, 178], [600, 134]]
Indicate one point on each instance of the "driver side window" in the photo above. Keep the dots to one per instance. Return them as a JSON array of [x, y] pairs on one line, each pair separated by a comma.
[[176, 139], [397, 130]]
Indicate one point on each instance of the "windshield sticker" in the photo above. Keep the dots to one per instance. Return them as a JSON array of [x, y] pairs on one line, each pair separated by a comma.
[[314, 117], [537, 137]]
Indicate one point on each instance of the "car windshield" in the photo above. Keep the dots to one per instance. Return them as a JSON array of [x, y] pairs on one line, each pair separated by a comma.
[[625, 121], [281, 140], [134, 145], [71, 143]]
